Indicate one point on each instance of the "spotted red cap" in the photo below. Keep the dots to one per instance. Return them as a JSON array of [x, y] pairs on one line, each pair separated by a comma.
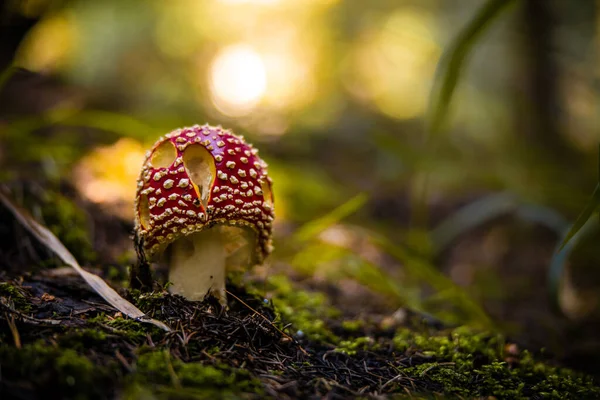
[[198, 177]]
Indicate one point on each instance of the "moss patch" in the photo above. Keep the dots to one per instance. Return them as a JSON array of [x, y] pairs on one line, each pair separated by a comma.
[[351, 347], [68, 222], [163, 372], [305, 311], [61, 372], [466, 363], [14, 297], [243, 353]]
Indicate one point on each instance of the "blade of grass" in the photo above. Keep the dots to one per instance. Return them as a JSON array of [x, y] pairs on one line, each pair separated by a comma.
[[470, 217], [335, 262], [486, 209], [451, 64], [313, 228], [426, 272], [6, 74], [120, 124], [448, 73], [107, 121], [585, 215], [560, 258]]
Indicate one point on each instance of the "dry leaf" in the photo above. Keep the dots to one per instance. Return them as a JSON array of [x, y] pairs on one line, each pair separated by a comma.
[[47, 238]]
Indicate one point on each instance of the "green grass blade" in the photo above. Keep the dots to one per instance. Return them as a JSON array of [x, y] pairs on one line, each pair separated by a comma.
[[313, 228], [335, 262], [448, 73], [560, 258], [592, 206], [423, 270], [5, 75], [451, 64]]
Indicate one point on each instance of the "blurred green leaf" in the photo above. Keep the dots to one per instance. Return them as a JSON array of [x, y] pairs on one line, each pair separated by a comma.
[[592, 206], [560, 258], [427, 273], [120, 124], [335, 262], [313, 228], [486, 209], [451, 64], [6, 74], [304, 192], [448, 74]]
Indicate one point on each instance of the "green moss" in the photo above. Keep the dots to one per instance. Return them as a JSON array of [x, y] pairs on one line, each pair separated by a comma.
[[353, 325], [118, 275], [15, 297], [82, 339], [351, 347], [162, 371], [69, 223], [131, 329], [214, 350], [62, 372], [470, 364], [306, 311], [149, 301]]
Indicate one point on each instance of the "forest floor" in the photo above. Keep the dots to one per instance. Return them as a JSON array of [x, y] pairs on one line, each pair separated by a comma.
[[279, 338]]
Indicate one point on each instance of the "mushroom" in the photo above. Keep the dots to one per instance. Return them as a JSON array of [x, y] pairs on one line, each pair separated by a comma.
[[203, 205]]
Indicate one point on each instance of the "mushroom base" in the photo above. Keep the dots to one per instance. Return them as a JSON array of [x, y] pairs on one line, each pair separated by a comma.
[[198, 263]]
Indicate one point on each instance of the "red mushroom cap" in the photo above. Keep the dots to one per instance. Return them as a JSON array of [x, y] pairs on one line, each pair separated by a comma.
[[198, 177]]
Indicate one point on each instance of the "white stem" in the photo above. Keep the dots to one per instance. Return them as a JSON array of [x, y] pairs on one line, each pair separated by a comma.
[[197, 266]]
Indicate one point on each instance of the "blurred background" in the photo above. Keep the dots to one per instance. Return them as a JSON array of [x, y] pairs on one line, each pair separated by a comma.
[[373, 208]]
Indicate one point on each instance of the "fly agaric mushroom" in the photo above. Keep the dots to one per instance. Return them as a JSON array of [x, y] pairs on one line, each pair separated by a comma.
[[203, 203]]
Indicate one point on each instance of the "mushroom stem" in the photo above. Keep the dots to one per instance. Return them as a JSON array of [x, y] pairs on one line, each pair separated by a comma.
[[198, 266]]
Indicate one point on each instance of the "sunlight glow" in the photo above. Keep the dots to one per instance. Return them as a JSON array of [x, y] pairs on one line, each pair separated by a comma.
[[49, 44], [256, 2], [238, 80], [108, 175], [393, 66]]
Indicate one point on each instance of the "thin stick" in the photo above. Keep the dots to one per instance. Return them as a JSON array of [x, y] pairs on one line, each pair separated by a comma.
[[13, 329]]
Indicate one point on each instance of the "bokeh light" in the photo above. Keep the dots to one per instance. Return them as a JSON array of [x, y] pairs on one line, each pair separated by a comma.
[[393, 64], [254, 2], [50, 45], [108, 175], [237, 79]]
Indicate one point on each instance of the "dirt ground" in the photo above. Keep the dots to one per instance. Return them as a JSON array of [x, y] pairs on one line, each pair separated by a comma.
[[279, 338]]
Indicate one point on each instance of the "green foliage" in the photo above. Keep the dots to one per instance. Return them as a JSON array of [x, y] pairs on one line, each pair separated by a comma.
[[62, 371], [585, 215], [460, 362], [351, 347], [148, 301], [69, 223], [306, 311], [446, 289], [166, 374], [82, 339], [127, 327], [316, 255], [471, 364], [311, 229], [352, 325], [14, 297], [451, 65]]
